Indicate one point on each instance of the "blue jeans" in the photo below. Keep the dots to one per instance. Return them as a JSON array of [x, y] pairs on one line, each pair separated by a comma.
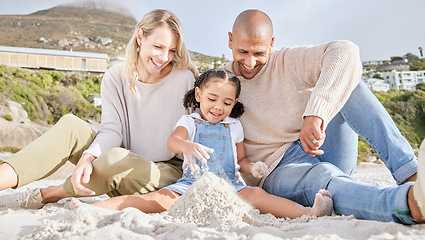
[[299, 177], [364, 115]]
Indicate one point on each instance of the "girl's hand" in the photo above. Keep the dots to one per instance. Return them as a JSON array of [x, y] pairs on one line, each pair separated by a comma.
[[192, 150], [82, 173], [259, 169]]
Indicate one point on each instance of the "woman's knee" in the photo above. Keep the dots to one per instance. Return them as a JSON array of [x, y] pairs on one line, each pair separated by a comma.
[[108, 160], [70, 120], [120, 160], [75, 126]]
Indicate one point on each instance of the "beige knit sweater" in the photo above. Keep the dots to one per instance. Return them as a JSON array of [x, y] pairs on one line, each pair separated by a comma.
[[295, 82]]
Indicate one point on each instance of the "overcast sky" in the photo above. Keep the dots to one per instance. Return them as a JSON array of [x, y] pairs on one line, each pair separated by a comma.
[[381, 28]]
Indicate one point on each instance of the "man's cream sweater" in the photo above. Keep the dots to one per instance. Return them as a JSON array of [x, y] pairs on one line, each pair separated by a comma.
[[295, 82]]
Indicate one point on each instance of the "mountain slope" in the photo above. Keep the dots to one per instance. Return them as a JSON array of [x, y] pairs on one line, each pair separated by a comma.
[[67, 28], [85, 28]]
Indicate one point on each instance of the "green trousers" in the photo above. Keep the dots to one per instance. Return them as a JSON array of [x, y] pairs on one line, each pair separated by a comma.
[[116, 172]]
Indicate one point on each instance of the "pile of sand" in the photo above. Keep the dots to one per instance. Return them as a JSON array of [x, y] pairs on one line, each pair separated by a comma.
[[212, 202]]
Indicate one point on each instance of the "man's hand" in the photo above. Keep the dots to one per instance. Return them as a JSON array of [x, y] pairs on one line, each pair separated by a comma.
[[311, 130], [81, 175]]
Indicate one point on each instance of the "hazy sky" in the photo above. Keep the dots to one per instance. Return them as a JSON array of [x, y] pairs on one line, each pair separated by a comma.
[[381, 28]]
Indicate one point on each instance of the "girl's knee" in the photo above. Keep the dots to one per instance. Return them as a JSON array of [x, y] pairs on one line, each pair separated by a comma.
[[165, 198], [251, 194]]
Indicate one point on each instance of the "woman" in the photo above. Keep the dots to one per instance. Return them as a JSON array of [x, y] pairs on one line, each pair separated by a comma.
[[129, 154]]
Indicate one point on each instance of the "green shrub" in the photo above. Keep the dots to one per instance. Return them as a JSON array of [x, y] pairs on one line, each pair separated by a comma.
[[8, 117], [9, 149], [47, 95]]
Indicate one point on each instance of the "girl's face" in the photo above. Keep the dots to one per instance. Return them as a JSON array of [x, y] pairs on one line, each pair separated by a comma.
[[216, 99], [156, 50]]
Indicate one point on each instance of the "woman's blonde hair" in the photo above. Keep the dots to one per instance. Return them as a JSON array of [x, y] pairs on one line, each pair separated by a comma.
[[149, 22]]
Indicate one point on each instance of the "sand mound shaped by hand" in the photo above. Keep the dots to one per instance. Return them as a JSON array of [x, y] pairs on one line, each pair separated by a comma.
[[212, 202]]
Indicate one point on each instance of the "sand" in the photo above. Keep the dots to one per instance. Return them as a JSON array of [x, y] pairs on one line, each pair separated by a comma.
[[208, 210]]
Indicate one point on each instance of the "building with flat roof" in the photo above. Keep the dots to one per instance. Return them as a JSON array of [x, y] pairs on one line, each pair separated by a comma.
[[377, 85], [404, 79], [54, 59]]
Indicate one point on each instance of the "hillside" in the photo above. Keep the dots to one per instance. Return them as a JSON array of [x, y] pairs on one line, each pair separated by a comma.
[[85, 28], [66, 28]]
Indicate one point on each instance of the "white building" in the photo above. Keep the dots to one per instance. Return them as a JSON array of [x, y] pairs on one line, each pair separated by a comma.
[[39, 58], [375, 62], [404, 79], [376, 84]]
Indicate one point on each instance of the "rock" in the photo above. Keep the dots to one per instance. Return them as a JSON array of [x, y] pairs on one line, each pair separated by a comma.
[[43, 40], [20, 131], [105, 40], [16, 110], [372, 159], [82, 38], [63, 42], [101, 40]]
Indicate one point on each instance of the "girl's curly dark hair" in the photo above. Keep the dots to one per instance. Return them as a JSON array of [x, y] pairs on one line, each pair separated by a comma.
[[189, 101]]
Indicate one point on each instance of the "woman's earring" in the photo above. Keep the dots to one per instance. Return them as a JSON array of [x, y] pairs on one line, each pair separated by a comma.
[[138, 49]]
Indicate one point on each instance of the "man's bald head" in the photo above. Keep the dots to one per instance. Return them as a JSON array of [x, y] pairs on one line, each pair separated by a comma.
[[253, 24], [251, 41]]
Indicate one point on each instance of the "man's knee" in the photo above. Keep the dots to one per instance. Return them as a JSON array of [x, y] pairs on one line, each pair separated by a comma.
[[324, 170], [287, 181], [322, 173]]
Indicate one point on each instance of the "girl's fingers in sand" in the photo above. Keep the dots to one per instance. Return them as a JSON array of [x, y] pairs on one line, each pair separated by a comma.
[[192, 163], [201, 158], [202, 151]]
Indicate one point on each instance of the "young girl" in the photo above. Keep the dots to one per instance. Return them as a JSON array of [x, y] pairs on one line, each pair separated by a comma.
[[216, 131]]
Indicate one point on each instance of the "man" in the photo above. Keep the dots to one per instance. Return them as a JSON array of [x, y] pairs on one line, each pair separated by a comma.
[[304, 98]]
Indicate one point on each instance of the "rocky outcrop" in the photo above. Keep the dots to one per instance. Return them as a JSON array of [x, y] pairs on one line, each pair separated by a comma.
[[16, 130]]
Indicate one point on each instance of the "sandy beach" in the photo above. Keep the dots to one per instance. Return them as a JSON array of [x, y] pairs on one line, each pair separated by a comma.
[[209, 210]]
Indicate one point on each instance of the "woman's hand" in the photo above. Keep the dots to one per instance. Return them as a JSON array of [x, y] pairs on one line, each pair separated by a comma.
[[81, 175], [259, 169], [192, 150]]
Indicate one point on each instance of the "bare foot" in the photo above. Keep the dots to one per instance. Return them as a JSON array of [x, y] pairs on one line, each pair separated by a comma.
[[323, 204], [75, 203]]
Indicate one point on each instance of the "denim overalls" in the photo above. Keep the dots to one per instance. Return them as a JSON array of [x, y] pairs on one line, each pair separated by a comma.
[[216, 136]]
